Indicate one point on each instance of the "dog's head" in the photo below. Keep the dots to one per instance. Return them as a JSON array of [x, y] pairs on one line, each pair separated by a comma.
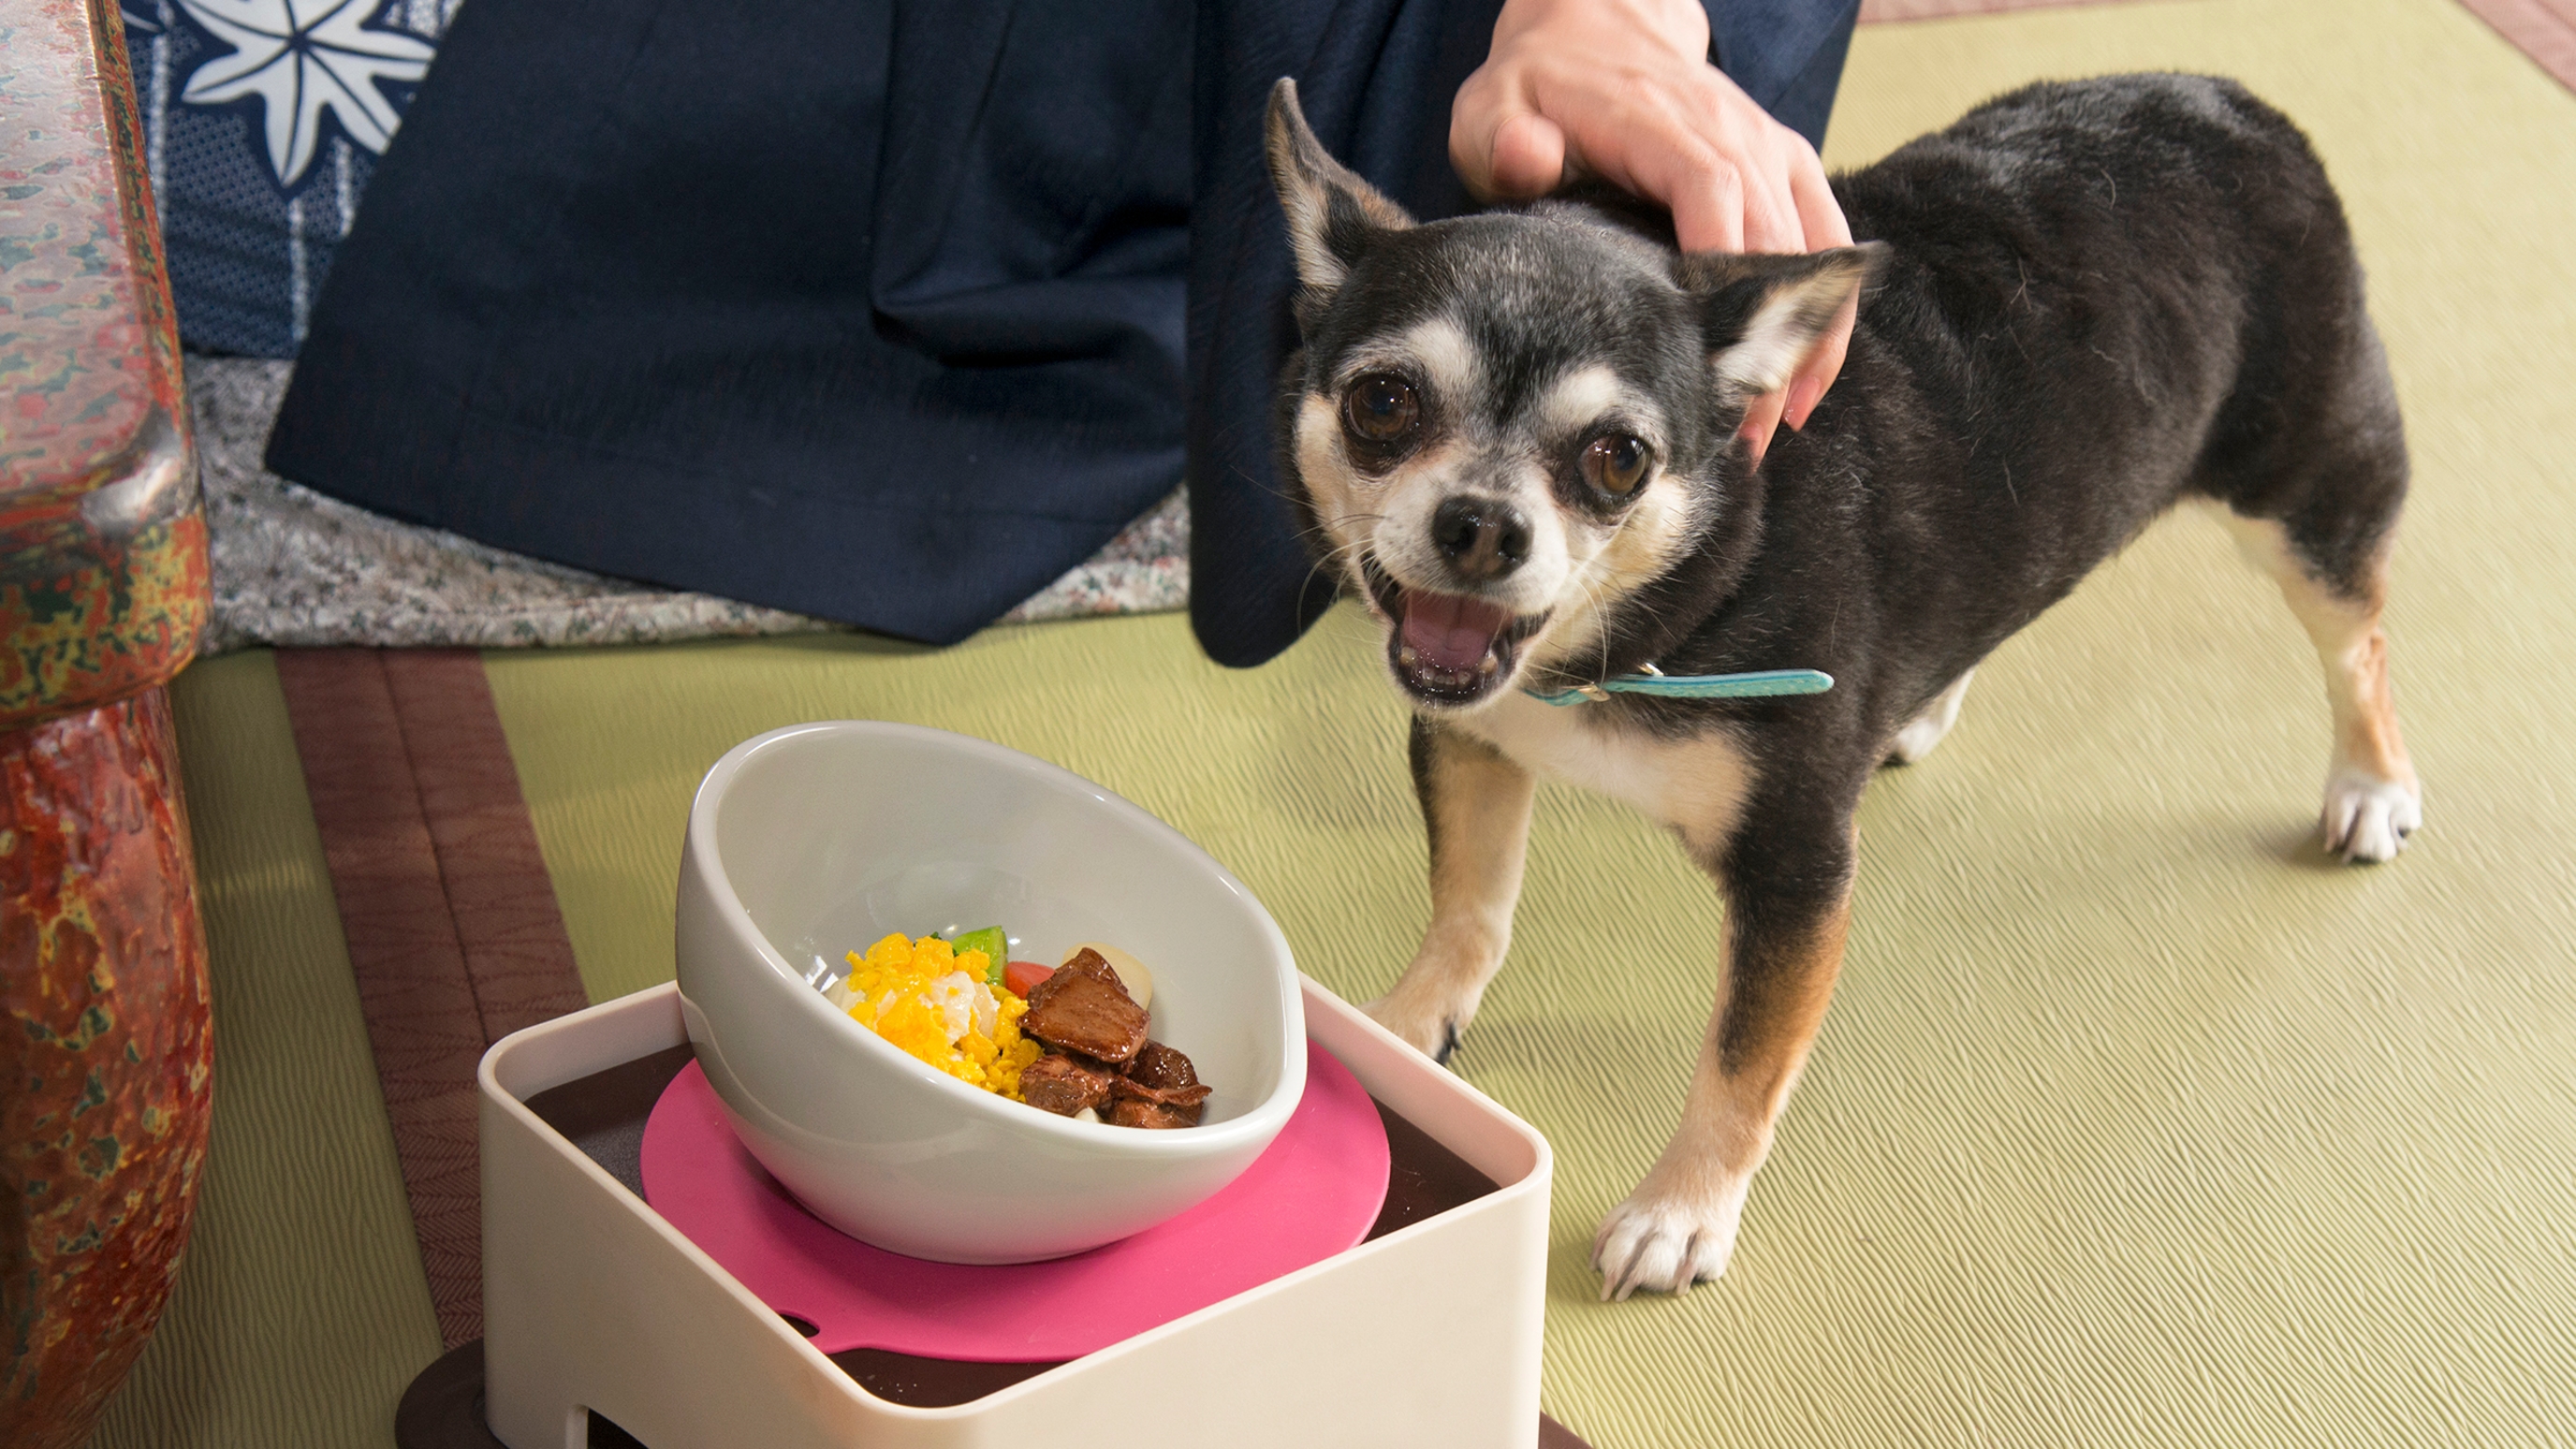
[[1503, 426]]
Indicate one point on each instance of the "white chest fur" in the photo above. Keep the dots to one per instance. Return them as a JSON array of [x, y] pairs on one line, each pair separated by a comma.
[[1695, 785]]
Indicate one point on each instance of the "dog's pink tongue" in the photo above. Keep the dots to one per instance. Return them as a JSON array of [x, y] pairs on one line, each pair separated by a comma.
[[1451, 631]]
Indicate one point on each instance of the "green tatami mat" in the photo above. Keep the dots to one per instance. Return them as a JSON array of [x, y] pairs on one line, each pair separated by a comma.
[[2137, 1122]]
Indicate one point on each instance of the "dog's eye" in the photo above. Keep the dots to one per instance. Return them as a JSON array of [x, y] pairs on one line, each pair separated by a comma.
[[1381, 409], [1615, 463]]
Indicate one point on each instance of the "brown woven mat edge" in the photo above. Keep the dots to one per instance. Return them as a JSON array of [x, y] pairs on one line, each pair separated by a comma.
[[451, 923], [2544, 30]]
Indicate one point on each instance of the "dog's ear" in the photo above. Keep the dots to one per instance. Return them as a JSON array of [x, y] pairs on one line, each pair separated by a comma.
[[1762, 314], [1332, 213]]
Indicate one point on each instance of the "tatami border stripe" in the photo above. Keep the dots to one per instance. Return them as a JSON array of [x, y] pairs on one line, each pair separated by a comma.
[[453, 933], [2545, 30], [412, 987], [518, 957]]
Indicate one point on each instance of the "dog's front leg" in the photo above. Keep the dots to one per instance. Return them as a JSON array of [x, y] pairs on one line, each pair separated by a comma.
[[1788, 901], [1476, 809]]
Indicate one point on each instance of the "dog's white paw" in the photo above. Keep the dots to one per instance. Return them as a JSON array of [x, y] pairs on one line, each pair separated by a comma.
[[1666, 1241], [2367, 818], [1427, 1029]]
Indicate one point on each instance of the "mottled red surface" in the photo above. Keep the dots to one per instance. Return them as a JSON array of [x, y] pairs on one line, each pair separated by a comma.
[[104, 1056], [100, 623], [102, 555], [81, 291], [106, 1052]]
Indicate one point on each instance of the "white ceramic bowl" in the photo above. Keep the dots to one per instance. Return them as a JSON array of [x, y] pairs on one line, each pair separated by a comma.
[[812, 841]]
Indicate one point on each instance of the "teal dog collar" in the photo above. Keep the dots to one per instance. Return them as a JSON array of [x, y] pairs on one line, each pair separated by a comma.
[[1755, 685]]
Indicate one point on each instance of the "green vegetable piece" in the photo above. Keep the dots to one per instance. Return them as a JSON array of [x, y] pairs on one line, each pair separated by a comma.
[[995, 946]]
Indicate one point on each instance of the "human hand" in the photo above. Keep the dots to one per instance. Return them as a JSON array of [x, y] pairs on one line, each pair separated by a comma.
[[1622, 90]]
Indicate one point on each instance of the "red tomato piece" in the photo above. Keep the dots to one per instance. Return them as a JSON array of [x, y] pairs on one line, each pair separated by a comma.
[[1021, 977]]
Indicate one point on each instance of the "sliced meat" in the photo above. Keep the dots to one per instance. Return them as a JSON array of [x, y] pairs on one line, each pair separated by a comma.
[[1129, 1112], [1157, 1065], [1064, 1085], [1080, 1014], [1162, 1076], [1085, 963], [1126, 1090]]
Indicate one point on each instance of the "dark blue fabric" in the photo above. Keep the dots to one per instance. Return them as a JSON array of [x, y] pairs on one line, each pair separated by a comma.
[[1786, 54], [251, 213], [713, 294], [865, 308]]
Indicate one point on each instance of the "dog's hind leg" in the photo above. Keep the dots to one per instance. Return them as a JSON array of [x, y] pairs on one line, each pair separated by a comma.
[[1476, 809], [2372, 799], [1787, 880], [1916, 740], [2309, 456]]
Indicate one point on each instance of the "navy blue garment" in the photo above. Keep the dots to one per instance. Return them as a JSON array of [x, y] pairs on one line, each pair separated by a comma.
[[863, 310], [262, 121], [869, 310]]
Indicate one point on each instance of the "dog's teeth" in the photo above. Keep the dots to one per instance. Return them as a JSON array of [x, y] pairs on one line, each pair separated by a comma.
[[1406, 657], [1488, 664]]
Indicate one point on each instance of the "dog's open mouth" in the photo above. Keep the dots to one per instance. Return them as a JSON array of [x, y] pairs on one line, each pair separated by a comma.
[[1449, 649]]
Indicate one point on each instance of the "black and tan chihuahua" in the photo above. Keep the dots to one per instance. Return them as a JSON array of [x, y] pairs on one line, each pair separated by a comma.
[[1515, 435]]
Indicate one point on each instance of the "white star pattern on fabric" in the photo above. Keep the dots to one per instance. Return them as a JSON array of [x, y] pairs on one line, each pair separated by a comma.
[[301, 57]]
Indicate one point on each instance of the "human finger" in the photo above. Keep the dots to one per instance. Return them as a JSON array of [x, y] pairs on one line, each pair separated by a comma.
[[1824, 363], [1705, 196], [1527, 156], [1705, 153], [1820, 213], [1772, 222], [1761, 420]]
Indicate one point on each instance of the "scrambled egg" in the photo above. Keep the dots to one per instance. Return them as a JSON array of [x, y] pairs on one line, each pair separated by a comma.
[[933, 1002]]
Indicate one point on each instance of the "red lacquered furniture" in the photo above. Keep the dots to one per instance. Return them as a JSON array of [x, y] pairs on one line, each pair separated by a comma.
[[105, 1072]]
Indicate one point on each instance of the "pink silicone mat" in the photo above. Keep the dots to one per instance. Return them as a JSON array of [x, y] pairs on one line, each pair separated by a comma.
[[1313, 1194]]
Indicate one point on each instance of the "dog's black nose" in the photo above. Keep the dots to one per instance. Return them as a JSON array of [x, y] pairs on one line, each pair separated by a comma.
[[1483, 538]]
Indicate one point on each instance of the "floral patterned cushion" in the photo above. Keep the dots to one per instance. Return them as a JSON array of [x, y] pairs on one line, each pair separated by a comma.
[[263, 120]]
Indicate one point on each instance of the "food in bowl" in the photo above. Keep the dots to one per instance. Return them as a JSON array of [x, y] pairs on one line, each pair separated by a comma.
[[940, 1005], [1069, 1040], [1099, 1056]]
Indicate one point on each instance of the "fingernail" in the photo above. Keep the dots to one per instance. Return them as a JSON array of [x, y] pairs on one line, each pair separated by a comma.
[[1759, 442], [1804, 394]]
